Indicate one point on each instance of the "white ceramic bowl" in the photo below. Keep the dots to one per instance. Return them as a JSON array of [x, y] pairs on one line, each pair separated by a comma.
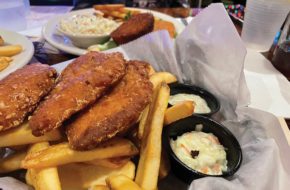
[[85, 40]]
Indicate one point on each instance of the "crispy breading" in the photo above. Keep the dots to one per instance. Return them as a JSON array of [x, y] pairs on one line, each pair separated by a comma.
[[21, 91], [80, 84], [114, 113], [134, 28]]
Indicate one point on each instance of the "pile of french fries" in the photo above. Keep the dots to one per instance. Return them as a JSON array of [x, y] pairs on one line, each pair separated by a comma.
[[115, 11], [52, 165], [6, 53]]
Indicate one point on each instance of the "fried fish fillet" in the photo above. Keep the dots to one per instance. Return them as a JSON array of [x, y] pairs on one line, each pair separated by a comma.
[[80, 84], [21, 91], [114, 113], [134, 28]]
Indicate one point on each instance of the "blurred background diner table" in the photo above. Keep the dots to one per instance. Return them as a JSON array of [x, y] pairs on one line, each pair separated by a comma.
[[183, 10]]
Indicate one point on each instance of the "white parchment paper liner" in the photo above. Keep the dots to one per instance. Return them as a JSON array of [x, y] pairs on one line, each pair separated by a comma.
[[210, 54]]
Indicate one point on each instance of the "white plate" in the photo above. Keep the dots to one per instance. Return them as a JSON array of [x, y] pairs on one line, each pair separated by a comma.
[[21, 59], [61, 42]]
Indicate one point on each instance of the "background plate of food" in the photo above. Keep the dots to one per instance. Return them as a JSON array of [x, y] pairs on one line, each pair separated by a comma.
[[15, 51], [92, 29]]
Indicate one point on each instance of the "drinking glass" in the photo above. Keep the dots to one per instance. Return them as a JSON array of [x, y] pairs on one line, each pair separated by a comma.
[[263, 19], [13, 14]]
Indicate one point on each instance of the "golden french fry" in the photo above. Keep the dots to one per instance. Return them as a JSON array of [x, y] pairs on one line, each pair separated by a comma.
[[22, 135], [99, 7], [12, 162], [112, 7], [60, 154], [158, 77], [42, 179], [178, 111], [99, 187], [1, 41], [5, 59], [4, 62], [3, 65], [121, 182], [164, 165], [110, 162], [122, 10], [117, 14], [79, 176], [10, 50], [143, 122], [109, 7], [28, 177], [149, 162]]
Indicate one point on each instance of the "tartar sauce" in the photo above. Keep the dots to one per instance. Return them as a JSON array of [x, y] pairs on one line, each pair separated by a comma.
[[200, 151], [200, 105], [88, 24]]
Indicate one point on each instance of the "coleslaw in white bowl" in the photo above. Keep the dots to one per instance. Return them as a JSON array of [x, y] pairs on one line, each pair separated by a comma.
[[85, 30]]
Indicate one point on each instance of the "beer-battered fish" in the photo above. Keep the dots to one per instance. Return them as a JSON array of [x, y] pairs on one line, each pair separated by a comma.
[[80, 84], [134, 28], [21, 91], [114, 113]]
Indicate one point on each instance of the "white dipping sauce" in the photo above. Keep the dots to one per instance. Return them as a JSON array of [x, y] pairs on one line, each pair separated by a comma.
[[200, 151], [200, 105]]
